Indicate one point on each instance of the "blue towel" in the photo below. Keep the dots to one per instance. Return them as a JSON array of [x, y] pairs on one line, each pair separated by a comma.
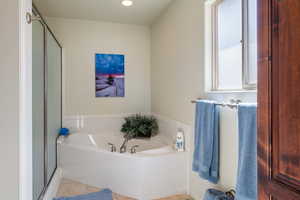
[[102, 195], [206, 153], [246, 188]]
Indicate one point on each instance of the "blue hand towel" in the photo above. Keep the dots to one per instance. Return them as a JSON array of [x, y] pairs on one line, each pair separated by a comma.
[[246, 188], [206, 153], [102, 195]]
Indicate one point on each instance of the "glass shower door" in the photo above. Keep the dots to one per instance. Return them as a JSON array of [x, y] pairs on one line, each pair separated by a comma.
[[53, 99], [46, 104], [38, 111]]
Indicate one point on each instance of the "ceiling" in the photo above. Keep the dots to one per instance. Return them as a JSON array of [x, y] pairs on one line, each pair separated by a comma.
[[143, 12]]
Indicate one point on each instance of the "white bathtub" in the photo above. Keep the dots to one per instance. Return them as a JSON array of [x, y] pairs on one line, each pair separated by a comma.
[[155, 171]]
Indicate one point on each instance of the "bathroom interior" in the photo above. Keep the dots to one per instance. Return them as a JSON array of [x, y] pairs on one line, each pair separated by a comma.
[[150, 100], [159, 63], [156, 71]]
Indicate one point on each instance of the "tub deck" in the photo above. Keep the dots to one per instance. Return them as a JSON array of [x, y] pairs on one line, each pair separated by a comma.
[[72, 188]]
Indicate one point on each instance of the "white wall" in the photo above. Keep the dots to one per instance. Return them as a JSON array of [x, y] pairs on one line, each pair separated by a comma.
[[9, 100], [177, 57], [81, 40], [177, 77]]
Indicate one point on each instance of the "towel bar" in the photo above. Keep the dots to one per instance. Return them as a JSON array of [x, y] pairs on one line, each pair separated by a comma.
[[232, 104]]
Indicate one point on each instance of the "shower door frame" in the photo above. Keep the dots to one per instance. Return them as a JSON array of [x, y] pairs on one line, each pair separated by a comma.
[[46, 28]]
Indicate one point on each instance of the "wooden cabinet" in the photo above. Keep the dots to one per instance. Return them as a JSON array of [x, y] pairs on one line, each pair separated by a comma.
[[279, 99]]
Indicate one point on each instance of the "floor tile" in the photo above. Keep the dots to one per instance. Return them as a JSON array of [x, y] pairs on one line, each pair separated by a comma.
[[69, 188]]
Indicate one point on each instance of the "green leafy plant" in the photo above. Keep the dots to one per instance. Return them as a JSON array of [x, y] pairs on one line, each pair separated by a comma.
[[139, 126]]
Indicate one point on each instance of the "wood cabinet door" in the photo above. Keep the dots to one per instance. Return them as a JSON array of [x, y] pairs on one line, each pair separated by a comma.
[[279, 99]]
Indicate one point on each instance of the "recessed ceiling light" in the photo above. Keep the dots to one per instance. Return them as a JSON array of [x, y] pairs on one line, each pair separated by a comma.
[[127, 3]]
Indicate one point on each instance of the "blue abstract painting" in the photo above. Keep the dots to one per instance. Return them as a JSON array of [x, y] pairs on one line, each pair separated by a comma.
[[110, 79]]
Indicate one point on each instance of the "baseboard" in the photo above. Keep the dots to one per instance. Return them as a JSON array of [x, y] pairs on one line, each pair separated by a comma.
[[54, 185]]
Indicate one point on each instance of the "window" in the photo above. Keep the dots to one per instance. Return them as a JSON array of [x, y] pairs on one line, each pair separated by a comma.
[[233, 44]]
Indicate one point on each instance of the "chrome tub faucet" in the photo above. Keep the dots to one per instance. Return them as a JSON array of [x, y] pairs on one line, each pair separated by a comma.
[[123, 148]]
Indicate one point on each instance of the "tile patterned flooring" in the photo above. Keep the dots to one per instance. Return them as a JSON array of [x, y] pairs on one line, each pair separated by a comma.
[[72, 188]]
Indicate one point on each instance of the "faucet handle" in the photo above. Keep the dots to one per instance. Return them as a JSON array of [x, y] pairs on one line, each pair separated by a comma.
[[133, 149], [113, 147]]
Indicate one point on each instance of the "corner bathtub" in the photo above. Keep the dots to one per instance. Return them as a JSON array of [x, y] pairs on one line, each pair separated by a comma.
[[155, 171]]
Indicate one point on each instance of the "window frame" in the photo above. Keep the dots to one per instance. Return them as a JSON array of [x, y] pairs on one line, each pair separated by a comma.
[[211, 10]]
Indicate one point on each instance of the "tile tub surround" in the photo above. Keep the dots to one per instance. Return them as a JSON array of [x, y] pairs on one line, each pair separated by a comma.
[[69, 188], [111, 124]]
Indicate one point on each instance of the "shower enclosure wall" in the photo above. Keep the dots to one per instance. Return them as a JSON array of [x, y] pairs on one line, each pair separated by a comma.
[[47, 102]]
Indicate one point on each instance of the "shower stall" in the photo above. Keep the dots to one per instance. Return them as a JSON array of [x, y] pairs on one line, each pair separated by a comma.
[[47, 102]]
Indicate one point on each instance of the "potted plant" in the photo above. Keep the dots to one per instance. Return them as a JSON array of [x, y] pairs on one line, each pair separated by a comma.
[[139, 126]]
